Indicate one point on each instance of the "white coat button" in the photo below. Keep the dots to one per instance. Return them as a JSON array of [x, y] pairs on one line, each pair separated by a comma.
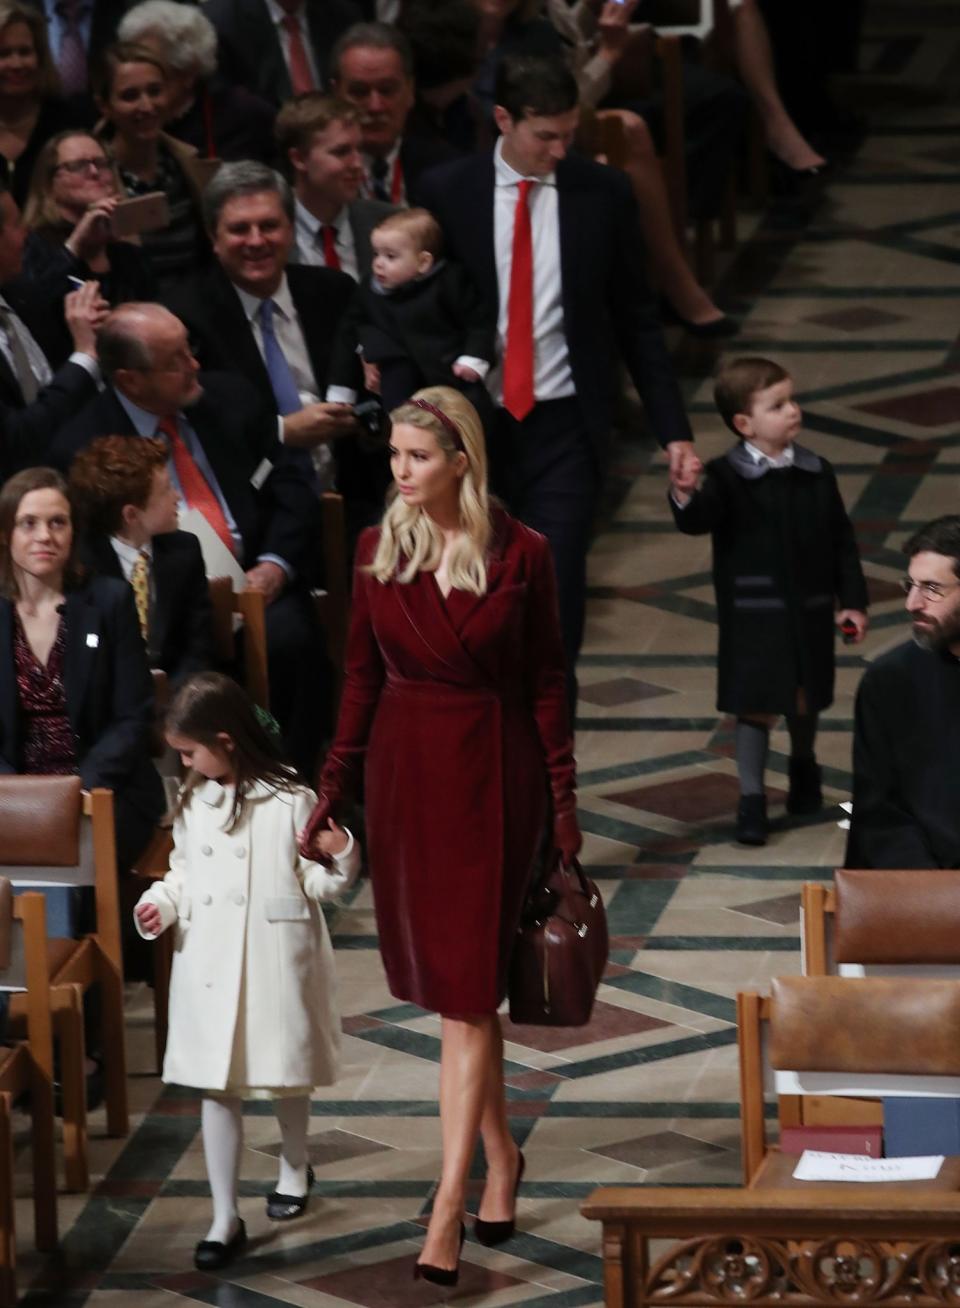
[[207, 899], [209, 985], [206, 849], [240, 852], [239, 898]]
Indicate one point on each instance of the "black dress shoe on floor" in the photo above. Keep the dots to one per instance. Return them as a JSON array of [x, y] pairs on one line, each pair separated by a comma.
[[491, 1233], [441, 1275], [805, 794], [717, 329], [211, 1254], [284, 1207], [752, 826]]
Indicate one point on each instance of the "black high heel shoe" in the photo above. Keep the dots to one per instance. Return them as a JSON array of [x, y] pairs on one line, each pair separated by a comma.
[[491, 1233], [716, 330], [441, 1275]]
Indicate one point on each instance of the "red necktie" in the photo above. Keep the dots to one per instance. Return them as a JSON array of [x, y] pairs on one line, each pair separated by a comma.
[[194, 487], [518, 398], [330, 256], [301, 78]]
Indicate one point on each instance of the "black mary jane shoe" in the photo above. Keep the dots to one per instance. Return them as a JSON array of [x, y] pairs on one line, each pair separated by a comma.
[[448, 1276], [211, 1254], [491, 1233], [284, 1207]]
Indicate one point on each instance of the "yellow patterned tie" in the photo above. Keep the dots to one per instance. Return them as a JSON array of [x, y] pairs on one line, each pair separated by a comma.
[[140, 581]]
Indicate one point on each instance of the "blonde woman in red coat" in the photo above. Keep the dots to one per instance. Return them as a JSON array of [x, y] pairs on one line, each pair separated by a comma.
[[454, 707]]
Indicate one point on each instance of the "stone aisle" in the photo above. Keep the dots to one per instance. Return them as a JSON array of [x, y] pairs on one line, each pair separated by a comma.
[[858, 296]]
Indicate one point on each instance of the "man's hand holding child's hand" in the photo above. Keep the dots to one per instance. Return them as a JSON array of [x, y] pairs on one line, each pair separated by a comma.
[[685, 478]]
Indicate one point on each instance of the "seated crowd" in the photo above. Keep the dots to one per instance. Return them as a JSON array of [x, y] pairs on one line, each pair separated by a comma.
[[249, 235]]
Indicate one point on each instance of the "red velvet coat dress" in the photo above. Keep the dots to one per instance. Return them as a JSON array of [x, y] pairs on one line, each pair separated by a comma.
[[458, 708]]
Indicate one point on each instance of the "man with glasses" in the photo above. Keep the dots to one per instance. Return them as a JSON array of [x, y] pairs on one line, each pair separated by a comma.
[[906, 747]]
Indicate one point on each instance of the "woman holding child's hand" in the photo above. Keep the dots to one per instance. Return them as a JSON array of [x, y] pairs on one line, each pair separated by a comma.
[[455, 701]]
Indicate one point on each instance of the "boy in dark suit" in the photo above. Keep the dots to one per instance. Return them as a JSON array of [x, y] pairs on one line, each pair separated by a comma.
[[129, 510], [785, 570], [416, 318]]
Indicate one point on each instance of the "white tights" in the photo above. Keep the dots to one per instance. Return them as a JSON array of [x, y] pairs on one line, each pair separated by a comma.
[[222, 1124]]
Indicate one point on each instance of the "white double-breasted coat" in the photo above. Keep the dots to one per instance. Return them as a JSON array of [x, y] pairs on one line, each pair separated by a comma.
[[253, 988]]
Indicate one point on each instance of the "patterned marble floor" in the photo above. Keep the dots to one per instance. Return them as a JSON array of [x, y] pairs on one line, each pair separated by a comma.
[[858, 295]]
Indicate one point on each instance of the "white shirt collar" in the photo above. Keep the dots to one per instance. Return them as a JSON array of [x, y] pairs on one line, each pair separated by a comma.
[[313, 224], [278, 14], [145, 423], [505, 175], [128, 553], [281, 298], [783, 460]]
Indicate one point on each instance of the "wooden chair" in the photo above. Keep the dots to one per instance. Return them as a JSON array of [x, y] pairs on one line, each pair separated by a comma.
[[841, 1036], [777, 1241], [26, 1068], [57, 835], [232, 609], [881, 922]]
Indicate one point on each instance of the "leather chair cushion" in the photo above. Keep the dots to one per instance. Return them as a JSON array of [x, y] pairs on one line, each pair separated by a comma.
[[869, 1025], [888, 916], [40, 819]]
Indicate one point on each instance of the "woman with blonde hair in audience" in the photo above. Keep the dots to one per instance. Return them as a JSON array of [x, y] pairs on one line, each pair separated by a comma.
[[69, 212], [132, 92], [454, 707], [31, 107], [78, 696]]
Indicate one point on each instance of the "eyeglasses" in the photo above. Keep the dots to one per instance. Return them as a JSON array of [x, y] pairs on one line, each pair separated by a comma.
[[77, 166], [930, 590]]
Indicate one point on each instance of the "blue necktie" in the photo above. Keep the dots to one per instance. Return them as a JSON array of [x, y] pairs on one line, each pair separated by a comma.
[[285, 389]]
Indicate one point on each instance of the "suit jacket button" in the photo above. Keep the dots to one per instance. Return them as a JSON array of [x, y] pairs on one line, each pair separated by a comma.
[[206, 849], [240, 852], [239, 898]]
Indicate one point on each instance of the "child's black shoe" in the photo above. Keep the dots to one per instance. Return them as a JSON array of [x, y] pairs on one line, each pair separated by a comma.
[[752, 820], [805, 794], [209, 1255]]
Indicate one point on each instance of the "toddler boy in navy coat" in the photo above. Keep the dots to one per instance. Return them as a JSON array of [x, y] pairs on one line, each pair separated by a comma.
[[786, 571]]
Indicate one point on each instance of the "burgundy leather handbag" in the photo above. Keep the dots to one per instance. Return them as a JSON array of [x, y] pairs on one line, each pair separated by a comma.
[[560, 950]]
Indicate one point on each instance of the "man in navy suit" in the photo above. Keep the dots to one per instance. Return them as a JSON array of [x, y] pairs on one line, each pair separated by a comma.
[[553, 241], [249, 212]]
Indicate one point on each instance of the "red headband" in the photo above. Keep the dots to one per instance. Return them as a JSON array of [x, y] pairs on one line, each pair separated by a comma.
[[447, 423]]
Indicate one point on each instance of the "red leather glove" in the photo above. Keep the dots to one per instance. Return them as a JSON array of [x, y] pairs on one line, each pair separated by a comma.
[[315, 826]]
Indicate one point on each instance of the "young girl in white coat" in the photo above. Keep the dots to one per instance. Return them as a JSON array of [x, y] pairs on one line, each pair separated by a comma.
[[253, 1010]]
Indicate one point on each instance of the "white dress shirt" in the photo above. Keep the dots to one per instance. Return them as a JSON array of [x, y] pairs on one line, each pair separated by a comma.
[[277, 16], [310, 240], [552, 375], [290, 338]]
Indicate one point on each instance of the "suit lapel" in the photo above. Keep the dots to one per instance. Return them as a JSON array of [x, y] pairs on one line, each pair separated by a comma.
[[237, 342], [575, 239], [82, 649], [477, 201]]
